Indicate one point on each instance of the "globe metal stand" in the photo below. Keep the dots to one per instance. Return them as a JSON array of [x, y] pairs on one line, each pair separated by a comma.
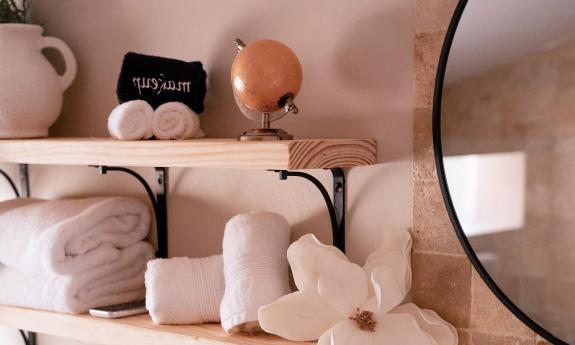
[[265, 132], [274, 107]]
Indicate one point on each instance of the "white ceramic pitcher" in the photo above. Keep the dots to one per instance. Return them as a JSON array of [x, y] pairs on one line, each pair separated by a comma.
[[31, 91]]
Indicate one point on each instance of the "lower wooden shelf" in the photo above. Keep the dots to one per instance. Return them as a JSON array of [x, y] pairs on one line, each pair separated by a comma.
[[135, 330]]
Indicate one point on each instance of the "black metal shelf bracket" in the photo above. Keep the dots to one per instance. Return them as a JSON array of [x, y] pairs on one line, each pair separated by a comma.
[[24, 180], [158, 200], [336, 208], [24, 185], [10, 182], [28, 337]]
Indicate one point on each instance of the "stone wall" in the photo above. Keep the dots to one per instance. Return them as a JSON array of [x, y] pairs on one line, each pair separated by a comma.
[[525, 107], [444, 279]]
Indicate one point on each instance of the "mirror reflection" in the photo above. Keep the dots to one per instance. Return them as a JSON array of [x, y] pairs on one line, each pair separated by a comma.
[[508, 140]]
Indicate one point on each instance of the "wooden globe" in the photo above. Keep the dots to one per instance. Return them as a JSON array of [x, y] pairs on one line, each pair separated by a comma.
[[264, 74]]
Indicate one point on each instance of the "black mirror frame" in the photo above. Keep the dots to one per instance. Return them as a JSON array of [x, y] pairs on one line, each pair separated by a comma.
[[441, 68]]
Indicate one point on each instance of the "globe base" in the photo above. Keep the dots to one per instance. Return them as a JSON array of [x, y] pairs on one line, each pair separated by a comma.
[[265, 134]]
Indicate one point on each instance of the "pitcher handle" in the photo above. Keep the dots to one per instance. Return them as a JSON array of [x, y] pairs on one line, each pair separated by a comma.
[[69, 60]]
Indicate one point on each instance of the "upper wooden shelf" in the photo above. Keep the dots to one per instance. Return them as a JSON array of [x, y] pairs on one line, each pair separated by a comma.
[[131, 330], [217, 153]]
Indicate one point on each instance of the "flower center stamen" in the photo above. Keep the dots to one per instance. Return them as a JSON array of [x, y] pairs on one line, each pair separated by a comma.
[[364, 320]]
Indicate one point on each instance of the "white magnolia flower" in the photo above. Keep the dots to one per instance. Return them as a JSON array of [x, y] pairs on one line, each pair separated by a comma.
[[341, 303]]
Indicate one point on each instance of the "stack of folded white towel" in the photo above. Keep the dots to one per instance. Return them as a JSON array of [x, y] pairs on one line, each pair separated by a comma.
[[252, 272], [137, 120], [73, 255]]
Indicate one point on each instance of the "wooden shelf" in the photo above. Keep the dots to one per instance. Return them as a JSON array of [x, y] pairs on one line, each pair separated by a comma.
[[218, 153], [131, 330]]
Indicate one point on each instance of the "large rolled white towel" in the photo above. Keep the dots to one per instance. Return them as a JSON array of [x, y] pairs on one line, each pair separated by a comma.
[[184, 291], [256, 269], [175, 120], [69, 236], [131, 121], [119, 282]]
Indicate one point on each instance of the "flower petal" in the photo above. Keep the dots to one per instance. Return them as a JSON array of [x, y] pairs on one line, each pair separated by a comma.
[[371, 305], [390, 290], [395, 247], [343, 285], [393, 241], [299, 316], [393, 329], [431, 323], [302, 256], [396, 240], [348, 333], [325, 338]]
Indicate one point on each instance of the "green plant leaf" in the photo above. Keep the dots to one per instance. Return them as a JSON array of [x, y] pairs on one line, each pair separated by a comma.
[[11, 13]]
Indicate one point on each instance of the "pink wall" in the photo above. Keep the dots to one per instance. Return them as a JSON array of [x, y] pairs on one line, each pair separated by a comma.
[[357, 59]]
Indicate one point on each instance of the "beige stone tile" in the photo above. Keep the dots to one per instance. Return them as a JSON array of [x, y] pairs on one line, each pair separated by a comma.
[[539, 197], [560, 296], [541, 341], [557, 322], [433, 231], [423, 152], [490, 316], [530, 294], [534, 260], [566, 97], [433, 15], [464, 337], [478, 338], [563, 201], [427, 51], [561, 259], [442, 283]]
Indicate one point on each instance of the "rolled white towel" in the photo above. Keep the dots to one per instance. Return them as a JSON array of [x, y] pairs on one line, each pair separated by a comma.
[[69, 236], [199, 134], [256, 269], [131, 121], [184, 291], [175, 120], [121, 281]]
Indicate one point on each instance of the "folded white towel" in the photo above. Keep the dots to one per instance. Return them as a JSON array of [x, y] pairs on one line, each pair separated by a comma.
[[131, 121], [256, 269], [185, 291], [69, 236], [175, 120], [119, 282]]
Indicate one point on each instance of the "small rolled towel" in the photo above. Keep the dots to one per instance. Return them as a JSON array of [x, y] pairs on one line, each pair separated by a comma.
[[69, 236], [183, 291], [175, 120], [131, 121], [256, 269], [199, 134], [119, 282]]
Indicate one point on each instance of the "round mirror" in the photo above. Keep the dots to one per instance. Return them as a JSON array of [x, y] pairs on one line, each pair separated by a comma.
[[504, 132]]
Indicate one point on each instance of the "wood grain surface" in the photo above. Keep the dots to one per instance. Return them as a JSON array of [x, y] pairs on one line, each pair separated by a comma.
[[134, 330], [217, 153]]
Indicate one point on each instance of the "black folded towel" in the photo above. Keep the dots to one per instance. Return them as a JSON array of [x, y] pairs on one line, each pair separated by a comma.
[[159, 80]]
